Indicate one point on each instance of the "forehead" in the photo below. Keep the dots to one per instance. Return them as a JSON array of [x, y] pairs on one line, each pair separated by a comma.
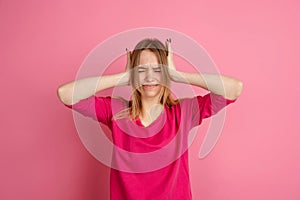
[[148, 57]]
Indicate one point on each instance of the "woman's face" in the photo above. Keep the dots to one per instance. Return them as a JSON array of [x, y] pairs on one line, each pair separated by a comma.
[[150, 74]]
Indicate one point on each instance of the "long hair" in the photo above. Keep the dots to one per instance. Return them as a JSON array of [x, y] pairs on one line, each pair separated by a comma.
[[160, 50]]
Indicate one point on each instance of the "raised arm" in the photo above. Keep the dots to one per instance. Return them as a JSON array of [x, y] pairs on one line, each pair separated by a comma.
[[226, 86], [229, 87], [87, 87]]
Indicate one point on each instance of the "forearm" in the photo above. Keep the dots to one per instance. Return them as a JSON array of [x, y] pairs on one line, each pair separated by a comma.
[[226, 86], [75, 91]]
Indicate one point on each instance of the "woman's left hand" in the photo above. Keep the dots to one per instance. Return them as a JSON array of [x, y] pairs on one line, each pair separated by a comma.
[[174, 74]]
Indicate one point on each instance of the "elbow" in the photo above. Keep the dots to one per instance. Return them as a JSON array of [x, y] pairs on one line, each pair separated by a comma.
[[235, 90], [238, 88], [62, 95], [59, 93]]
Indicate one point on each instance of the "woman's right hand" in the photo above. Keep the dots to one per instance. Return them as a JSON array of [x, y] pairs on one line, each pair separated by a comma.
[[128, 67]]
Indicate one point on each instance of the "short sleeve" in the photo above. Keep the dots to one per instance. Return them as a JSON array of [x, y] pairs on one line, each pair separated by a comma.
[[97, 108], [206, 106], [211, 103]]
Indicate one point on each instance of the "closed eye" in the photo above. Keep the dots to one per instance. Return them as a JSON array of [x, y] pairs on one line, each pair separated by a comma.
[[141, 69], [158, 69]]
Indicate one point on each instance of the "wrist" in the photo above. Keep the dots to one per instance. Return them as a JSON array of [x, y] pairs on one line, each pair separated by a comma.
[[176, 76], [123, 78]]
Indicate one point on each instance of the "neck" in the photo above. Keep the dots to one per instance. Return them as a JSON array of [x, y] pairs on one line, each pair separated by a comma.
[[151, 108]]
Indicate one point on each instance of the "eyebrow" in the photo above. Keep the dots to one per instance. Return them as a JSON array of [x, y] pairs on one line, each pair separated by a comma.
[[142, 67], [146, 67]]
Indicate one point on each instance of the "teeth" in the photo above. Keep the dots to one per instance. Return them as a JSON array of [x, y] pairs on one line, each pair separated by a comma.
[[150, 86]]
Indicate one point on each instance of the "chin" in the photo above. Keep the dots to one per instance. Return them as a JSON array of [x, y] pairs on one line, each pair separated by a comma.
[[151, 92]]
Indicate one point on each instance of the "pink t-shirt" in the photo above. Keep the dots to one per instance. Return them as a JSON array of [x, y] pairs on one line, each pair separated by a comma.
[[152, 161]]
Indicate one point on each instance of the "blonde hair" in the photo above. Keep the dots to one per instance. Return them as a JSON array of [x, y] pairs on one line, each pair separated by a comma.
[[160, 50]]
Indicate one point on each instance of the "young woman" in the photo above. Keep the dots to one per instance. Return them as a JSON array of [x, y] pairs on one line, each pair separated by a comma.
[[153, 120]]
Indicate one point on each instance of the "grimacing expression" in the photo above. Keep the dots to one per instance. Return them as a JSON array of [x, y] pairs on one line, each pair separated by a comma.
[[150, 75]]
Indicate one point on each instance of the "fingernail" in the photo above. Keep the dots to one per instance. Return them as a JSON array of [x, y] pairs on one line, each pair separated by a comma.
[[170, 40]]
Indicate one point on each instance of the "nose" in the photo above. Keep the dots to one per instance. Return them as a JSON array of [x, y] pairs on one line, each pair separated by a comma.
[[149, 75]]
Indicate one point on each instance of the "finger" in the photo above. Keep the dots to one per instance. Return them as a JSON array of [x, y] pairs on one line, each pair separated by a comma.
[[169, 46], [128, 59], [128, 54]]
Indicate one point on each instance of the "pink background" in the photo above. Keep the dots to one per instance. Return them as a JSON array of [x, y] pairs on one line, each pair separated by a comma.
[[43, 43]]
